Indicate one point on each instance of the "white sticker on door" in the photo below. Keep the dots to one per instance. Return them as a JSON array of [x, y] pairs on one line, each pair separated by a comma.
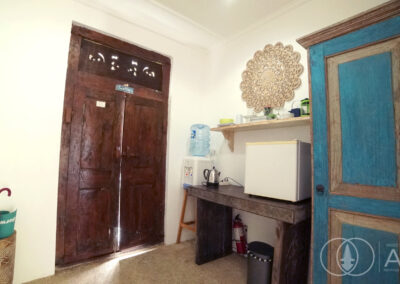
[[101, 104]]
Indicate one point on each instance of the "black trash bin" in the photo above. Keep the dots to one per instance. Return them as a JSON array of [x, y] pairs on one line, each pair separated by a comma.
[[259, 263]]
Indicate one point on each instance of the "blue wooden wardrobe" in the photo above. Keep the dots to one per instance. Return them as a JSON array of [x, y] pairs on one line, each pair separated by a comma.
[[354, 69]]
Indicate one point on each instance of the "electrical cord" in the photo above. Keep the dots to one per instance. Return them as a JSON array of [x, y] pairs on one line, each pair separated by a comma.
[[229, 178], [225, 178]]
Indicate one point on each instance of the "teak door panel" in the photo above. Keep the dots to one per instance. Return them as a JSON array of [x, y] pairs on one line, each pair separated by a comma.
[[141, 192], [364, 117], [375, 239], [112, 160], [91, 207]]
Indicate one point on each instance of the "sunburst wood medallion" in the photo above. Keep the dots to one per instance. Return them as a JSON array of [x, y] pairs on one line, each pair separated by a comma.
[[271, 77]]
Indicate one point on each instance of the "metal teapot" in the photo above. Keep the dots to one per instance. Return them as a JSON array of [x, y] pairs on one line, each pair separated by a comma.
[[212, 176]]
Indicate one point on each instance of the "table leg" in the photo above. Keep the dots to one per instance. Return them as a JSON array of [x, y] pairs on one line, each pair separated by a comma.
[[291, 253], [214, 231]]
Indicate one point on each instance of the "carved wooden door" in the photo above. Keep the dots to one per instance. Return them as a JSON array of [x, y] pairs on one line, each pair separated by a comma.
[[355, 81], [141, 191], [112, 165], [92, 197]]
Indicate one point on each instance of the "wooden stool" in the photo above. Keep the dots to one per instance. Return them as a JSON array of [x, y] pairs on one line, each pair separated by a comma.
[[182, 224], [7, 257]]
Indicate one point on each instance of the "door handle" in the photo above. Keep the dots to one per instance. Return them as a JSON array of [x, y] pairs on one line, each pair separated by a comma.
[[118, 153], [320, 188], [129, 154], [125, 153]]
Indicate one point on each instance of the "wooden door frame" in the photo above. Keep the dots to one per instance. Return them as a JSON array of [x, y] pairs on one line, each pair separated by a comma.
[[77, 34]]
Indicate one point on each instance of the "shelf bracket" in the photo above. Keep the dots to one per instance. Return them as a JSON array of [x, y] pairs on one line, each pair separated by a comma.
[[229, 136]]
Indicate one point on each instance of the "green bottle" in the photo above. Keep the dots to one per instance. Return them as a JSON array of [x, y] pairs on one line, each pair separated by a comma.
[[305, 107]]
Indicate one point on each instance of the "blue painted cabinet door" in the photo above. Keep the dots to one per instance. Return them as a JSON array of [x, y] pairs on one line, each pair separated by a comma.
[[355, 81]]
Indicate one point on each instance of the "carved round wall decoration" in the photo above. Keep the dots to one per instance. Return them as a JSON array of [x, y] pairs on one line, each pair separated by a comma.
[[271, 77]]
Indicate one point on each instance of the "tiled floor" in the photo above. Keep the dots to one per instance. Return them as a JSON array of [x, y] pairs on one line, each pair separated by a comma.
[[165, 264]]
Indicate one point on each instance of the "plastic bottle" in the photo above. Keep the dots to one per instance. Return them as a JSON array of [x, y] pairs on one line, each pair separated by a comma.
[[199, 140]]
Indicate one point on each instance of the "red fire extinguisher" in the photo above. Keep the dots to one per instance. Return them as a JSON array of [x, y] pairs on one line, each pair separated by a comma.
[[239, 235]]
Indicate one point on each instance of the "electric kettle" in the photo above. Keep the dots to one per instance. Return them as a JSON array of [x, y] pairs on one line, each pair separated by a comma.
[[212, 176]]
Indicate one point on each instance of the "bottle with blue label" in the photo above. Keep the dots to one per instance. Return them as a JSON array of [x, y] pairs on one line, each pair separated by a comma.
[[199, 140]]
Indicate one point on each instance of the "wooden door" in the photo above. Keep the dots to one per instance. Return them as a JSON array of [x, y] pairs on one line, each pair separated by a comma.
[[92, 200], [112, 163], [142, 194], [356, 149]]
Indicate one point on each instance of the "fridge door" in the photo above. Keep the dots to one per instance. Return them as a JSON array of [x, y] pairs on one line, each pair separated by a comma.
[[271, 169]]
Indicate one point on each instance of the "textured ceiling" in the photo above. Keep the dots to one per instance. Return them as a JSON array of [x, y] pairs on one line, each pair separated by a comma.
[[202, 23], [224, 17]]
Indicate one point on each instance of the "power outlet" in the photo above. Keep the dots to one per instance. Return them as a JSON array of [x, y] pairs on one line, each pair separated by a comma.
[[224, 181]]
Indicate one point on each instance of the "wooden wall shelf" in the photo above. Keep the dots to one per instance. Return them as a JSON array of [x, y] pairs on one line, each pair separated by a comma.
[[229, 131]]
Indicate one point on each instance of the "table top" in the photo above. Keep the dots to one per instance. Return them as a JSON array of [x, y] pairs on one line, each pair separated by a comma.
[[234, 196]]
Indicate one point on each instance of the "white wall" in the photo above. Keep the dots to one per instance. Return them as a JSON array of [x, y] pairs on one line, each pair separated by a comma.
[[33, 52], [229, 61], [33, 56]]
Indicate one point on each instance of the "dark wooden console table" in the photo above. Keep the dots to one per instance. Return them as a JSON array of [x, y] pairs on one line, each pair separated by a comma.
[[214, 228]]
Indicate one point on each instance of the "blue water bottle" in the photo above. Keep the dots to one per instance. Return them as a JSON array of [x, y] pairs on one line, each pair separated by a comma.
[[199, 140]]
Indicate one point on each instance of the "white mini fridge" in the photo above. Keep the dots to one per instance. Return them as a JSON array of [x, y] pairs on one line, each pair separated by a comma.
[[278, 169]]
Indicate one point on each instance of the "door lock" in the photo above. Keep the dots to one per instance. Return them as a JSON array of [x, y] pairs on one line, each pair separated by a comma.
[[320, 188]]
